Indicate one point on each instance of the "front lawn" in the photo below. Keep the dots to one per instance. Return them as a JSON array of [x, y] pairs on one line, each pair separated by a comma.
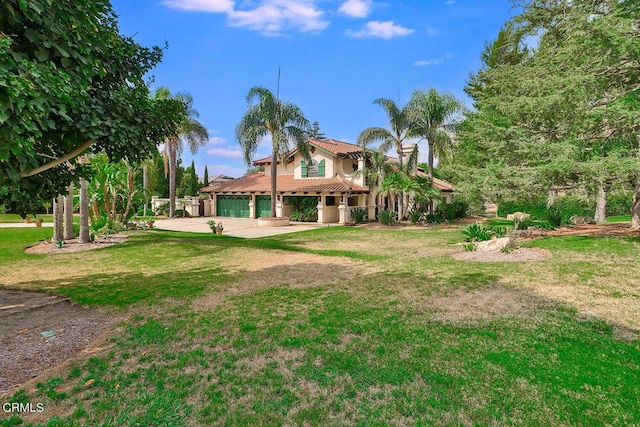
[[342, 326]]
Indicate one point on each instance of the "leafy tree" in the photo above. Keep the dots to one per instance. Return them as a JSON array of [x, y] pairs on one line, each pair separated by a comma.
[[189, 129], [282, 121], [70, 83], [564, 113], [401, 129]]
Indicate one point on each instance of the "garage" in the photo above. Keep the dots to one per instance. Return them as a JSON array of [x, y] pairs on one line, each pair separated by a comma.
[[233, 206], [263, 206]]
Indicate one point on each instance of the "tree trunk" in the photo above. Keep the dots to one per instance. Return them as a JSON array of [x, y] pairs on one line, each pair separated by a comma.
[[130, 190], [274, 176], [401, 195], [145, 184], [58, 213], [172, 178], [601, 204], [84, 212], [68, 213], [430, 159], [635, 209]]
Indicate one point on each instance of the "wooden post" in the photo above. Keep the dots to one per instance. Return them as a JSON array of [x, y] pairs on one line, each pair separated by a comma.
[[58, 212], [84, 212], [68, 213]]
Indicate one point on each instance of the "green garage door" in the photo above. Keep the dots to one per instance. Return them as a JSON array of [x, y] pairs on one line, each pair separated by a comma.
[[233, 206], [263, 206]]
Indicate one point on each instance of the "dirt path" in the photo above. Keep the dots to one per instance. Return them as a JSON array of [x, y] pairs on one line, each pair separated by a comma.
[[40, 331]]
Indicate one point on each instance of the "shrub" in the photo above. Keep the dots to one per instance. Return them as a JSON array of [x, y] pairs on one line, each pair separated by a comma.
[[619, 204], [387, 217], [554, 216], [359, 215], [304, 208], [99, 222], [163, 209], [536, 209], [416, 216], [523, 224], [460, 208], [477, 233]]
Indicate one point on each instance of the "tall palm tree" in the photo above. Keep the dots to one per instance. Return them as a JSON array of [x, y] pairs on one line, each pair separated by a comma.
[[434, 117], [190, 130], [269, 116], [401, 129]]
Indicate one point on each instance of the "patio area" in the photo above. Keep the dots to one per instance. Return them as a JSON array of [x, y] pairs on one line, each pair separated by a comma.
[[246, 228]]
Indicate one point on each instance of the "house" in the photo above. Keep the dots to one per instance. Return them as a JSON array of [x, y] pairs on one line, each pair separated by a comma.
[[330, 176], [218, 179]]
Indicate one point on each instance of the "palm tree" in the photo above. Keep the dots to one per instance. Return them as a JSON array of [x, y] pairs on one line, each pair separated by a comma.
[[434, 117], [189, 130], [401, 129], [269, 116]]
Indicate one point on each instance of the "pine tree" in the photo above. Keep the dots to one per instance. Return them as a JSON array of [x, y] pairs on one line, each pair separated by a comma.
[[205, 179]]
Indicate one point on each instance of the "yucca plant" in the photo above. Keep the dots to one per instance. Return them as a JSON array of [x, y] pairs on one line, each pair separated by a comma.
[[477, 233]]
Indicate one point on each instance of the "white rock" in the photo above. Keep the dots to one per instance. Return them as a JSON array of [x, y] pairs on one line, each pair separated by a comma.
[[493, 245]]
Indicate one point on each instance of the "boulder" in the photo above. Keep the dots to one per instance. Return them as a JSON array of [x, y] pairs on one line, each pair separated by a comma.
[[578, 220], [518, 216], [493, 245]]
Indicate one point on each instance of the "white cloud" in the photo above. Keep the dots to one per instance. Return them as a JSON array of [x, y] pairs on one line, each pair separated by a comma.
[[270, 17], [214, 6], [216, 140], [273, 16], [230, 153], [356, 8], [384, 30], [450, 2], [430, 62]]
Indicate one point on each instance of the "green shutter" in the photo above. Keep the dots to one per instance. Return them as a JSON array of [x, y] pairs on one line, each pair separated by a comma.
[[321, 168], [304, 169]]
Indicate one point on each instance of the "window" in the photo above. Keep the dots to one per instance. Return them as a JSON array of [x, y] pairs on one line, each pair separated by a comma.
[[330, 201], [312, 169]]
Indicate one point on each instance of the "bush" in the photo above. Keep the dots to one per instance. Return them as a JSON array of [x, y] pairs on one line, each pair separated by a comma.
[[570, 206], [163, 209], [359, 215], [416, 216], [99, 222], [445, 212], [554, 216], [387, 217], [523, 224], [619, 204], [304, 208], [537, 209], [477, 233], [76, 230]]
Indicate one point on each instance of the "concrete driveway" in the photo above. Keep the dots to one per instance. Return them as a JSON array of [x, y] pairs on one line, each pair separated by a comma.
[[237, 227]]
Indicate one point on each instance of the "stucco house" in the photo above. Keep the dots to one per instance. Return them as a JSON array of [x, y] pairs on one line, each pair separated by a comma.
[[330, 175]]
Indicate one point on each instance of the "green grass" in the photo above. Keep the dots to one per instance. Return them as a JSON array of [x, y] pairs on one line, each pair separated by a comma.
[[12, 218], [619, 218], [362, 327]]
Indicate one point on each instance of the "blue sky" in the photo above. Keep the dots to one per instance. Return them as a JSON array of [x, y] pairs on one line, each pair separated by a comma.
[[335, 57]]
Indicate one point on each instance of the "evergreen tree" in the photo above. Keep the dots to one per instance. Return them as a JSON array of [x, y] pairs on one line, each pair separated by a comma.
[[564, 113], [314, 132], [205, 179]]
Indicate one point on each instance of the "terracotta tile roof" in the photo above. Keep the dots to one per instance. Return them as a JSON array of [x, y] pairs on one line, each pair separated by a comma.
[[338, 148], [259, 182]]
